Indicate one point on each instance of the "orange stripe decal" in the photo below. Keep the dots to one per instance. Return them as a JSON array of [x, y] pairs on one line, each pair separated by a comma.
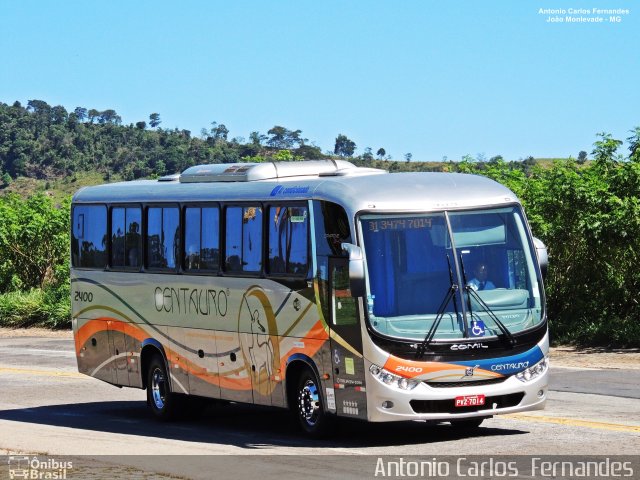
[[413, 369]]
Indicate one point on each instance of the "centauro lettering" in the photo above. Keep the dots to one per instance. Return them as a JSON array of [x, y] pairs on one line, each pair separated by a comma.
[[509, 366], [192, 301]]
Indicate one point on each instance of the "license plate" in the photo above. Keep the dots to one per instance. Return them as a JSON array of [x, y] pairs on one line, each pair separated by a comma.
[[470, 401]]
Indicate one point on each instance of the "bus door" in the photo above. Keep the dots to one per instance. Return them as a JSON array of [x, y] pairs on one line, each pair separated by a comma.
[[261, 348], [346, 343], [118, 352]]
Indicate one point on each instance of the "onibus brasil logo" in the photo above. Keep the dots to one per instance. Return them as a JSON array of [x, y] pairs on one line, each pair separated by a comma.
[[27, 467]]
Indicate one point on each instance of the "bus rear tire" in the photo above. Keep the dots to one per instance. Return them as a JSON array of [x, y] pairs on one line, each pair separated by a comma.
[[467, 423], [163, 403], [309, 407]]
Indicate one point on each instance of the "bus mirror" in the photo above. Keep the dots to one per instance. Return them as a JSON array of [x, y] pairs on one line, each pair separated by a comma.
[[356, 269], [543, 256]]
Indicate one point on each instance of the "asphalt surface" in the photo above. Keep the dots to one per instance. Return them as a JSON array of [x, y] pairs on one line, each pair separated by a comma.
[[614, 383], [46, 407], [59, 354]]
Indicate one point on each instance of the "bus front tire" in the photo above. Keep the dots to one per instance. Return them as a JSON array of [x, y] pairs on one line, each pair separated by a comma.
[[163, 403], [309, 406]]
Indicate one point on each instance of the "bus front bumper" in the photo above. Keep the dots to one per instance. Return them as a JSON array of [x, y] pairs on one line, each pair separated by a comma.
[[388, 403]]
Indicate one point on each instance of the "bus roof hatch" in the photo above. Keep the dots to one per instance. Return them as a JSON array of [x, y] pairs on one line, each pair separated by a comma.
[[248, 172]]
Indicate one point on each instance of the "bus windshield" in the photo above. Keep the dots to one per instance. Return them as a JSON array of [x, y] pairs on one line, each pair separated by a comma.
[[413, 261]]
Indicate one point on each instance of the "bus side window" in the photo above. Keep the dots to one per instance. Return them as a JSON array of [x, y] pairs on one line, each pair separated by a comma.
[[344, 305], [332, 228], [133, 237], [243, 249], [126, 239], [117, 237], [163, 237], [288, 240], [201, 234], [210, 239], [89, 239]]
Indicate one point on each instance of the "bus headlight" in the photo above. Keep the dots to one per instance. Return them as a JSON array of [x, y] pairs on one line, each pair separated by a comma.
[[534, 371], [389, 378]]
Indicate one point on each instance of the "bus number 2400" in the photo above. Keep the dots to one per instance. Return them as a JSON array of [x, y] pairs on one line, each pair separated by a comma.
[[83, 296]]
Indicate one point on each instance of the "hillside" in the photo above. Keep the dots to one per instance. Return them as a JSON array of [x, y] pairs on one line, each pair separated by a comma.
[[585, 210], [48, 149]]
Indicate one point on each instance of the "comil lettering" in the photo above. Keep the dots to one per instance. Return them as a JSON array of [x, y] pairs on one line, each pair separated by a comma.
[[467, 346]]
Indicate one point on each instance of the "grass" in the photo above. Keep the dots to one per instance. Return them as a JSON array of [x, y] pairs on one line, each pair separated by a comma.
[[56, 188], [35, 308]]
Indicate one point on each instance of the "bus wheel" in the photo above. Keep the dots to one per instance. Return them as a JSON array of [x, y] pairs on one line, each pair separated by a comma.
[[467, 423], [162, 401], [310, 409]]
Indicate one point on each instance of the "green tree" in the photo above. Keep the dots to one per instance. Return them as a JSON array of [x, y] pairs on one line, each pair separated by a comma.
[[257, 139], [283, 138], [34, 240], [81, 113], [219, 132], [344, 146], [59, 114], [309, 152], [154, 120], [582, 156], [109, 116], [92, 115]]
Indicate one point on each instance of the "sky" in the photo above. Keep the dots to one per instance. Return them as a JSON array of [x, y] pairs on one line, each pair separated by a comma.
[[431, 78]]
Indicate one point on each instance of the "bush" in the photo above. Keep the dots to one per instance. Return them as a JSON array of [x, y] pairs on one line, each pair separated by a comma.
[[589, 218], [22, 309], [34, 263], [49, 308], [57, 305], [34, 242]]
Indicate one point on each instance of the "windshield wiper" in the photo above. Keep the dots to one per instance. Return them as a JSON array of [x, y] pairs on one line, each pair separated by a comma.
[[506, 334], [451, 292]]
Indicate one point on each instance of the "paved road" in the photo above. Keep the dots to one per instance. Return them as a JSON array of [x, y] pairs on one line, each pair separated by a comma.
[[615, 383], [46, 406]]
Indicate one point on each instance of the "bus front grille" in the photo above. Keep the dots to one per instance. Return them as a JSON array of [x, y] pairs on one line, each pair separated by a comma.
[[473, 383], [448, 406]]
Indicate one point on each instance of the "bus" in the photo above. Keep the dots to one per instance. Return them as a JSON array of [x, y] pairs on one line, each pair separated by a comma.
[[318, 286]]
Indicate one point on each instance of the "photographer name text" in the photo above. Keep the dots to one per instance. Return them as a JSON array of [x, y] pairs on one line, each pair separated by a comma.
[[498, 468], [584, 15]]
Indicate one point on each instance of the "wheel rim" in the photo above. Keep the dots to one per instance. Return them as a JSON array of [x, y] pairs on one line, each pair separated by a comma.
[[309, 403], [158, 388]]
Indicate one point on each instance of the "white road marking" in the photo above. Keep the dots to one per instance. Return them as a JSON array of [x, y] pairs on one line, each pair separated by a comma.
[[37, 351]]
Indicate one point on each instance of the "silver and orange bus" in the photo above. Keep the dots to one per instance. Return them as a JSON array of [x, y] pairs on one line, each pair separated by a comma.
[[318, 286]]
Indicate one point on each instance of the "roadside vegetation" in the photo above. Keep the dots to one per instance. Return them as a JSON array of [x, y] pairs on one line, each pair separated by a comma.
[[586, 210]]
